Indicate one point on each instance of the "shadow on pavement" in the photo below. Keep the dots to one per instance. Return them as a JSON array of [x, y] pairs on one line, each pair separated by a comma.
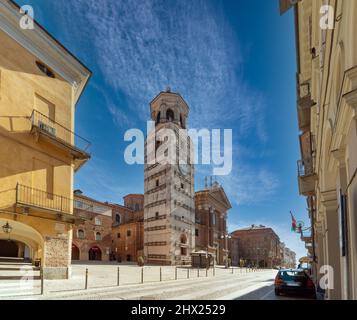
[[267, 293]]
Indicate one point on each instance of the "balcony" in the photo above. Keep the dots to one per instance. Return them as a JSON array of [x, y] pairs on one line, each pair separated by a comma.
[[304, 105], [307, 177], [40, 203], [48, 130], [307, 238]]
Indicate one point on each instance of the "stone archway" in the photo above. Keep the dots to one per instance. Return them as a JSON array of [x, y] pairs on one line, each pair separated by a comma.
[[29, 241]]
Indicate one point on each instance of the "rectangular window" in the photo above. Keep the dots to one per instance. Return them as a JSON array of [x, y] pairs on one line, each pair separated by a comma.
[[157, 182], [343, 224], [156, 215], [196, 232], [97, 222], [128, 233], [118, 235]]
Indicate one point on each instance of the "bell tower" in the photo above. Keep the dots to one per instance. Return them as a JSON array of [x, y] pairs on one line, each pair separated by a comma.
[[169, 215]]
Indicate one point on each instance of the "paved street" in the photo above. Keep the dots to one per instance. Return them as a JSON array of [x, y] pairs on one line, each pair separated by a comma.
[[240, 285]]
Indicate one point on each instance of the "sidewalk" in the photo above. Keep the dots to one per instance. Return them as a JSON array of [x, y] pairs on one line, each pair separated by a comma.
[[107, 275]]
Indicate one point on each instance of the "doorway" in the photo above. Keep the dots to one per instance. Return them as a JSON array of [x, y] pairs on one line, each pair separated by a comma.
[[75, 252], [9, 249], [95, 254]]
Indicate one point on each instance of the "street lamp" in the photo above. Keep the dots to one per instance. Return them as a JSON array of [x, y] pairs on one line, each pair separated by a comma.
[[7, 229], [226, 237]]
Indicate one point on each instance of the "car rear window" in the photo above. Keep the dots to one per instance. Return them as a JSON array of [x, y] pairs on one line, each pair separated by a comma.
[[292, 275]]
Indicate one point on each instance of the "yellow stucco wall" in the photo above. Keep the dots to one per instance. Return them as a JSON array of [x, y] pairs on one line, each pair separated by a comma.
[[23, 159]]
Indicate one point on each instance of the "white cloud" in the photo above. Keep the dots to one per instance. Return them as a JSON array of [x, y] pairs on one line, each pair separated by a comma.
[[140, 48], [250, 185], [143, 47]]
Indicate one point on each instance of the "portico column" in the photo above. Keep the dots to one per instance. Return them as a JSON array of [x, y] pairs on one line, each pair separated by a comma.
[[330, 206], [351, 261], [319, 247]]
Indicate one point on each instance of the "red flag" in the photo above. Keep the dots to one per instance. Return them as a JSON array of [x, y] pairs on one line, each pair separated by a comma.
[[293, 223]]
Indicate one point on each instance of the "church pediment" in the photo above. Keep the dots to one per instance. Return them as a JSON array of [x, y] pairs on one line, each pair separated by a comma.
[[220, 196]]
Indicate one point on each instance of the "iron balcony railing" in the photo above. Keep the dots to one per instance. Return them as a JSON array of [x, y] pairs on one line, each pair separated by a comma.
[[305, 167], [31, 197], [58, 131]]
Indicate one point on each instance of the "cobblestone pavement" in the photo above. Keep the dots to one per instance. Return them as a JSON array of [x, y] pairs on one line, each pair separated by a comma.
[[191, 284]]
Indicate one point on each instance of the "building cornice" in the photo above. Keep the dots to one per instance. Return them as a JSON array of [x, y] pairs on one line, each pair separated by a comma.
[[329, 199], [44, 47]]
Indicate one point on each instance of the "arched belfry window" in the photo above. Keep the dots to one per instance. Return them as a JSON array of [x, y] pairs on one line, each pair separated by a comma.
[[158, 118], [182, 122], [170, 116]]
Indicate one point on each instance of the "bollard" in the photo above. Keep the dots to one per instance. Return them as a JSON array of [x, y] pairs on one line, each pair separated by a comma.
[[188, 273], [206, 272], [118, 277], [142, 275], [198, 272], [214, 271], [175, 273], [42, 282], [232, 270], [160, 274], [86, 283]]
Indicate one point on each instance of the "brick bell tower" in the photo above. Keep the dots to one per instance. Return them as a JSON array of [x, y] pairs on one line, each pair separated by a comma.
[[169, 215]]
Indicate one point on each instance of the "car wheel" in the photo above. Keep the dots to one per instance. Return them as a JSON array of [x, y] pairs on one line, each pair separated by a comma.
[[277, 292]]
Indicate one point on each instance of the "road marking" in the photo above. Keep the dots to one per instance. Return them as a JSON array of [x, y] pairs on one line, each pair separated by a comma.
[[243, 292], [267, 294]]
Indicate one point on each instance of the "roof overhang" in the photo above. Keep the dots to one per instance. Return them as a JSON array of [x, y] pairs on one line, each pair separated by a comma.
[[45, 47]]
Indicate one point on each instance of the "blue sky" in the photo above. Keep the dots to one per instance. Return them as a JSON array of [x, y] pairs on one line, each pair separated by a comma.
[[233, 62]]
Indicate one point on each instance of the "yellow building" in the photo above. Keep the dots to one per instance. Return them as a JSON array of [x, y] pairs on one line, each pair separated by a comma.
[[327, 111], [40, 84]]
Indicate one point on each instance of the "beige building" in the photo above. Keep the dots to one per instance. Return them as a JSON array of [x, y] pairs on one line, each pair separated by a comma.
[[327, 114], [40, 84], [169, 209]]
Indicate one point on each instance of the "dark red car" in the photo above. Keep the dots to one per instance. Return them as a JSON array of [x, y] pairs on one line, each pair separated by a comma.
[[294, 281]]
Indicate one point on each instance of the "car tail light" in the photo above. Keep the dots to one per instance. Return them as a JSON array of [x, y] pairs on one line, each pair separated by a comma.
[[278, 281], [310, 283]]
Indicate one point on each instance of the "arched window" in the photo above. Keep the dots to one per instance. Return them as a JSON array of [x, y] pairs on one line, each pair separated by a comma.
[[80, 234], [117, 218], [170, 116], [183, 239], [158, 118], [136, 207], [181, 121], [98, 236]]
